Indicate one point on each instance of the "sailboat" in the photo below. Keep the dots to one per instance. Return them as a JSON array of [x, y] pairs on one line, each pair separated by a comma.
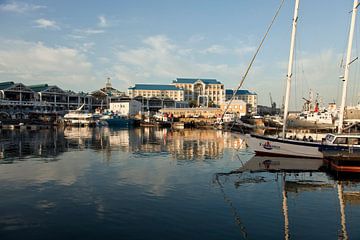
[[341, 147], [280, 146]]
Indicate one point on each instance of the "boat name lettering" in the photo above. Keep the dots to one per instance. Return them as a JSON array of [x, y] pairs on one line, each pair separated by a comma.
[[267, 145]]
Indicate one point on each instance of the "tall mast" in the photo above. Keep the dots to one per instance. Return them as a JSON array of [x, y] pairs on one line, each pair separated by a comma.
[[347, 67], [291, 59]]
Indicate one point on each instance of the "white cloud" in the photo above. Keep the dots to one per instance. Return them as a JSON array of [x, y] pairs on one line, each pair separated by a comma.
[[45, 23], [19, 7], [102, 21], [160, 60], [196, 38], [241, 51], [89, 31], [215, 49], [31, 63]]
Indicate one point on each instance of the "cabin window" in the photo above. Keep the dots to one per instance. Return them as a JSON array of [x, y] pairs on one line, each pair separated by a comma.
[[353, 141], [340, 140], [330, 138]]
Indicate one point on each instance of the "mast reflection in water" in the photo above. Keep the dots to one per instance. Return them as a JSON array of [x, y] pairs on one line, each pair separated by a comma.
[[148, 183]]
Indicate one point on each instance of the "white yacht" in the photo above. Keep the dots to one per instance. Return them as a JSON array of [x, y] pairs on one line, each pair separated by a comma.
[[79, 117]]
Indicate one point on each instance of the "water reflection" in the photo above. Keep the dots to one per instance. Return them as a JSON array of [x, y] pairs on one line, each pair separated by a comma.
[[298, 181], [182, 145]]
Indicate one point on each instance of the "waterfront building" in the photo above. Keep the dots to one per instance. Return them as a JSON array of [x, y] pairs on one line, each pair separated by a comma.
[[17, 100], [16, 93], [126, 107], [245, 95], [59, 100], [102, 98], [154, 104], [193, 112], [238, 107], [159, 91], [204, 91]]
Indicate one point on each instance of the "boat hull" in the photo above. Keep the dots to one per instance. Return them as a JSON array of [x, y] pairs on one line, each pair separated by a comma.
[[119, 122], [338, 152], [269, 146]]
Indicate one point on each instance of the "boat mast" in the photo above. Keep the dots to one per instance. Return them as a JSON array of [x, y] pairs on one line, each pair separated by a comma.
[[291, 59], [347, 67]]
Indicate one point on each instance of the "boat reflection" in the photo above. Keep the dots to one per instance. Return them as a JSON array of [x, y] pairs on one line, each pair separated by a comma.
[[297, 177], [280, 164], [181, 145]]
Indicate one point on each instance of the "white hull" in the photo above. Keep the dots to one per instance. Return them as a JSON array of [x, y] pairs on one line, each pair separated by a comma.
[[78, 118], [262, 145]]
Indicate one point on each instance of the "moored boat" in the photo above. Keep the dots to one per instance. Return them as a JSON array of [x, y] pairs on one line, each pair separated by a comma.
[[77, 118], [341, 147], [117, 120], [272, 146], [280, 146]]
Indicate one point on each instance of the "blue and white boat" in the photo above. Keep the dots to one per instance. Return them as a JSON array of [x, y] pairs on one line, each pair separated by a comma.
[[114, 120], [341, 147]]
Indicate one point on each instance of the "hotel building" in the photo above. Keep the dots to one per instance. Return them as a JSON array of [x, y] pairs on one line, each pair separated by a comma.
[[203, 91], [156, 91]]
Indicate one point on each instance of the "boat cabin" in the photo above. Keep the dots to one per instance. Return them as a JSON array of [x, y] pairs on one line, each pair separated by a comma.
[[342, 139]]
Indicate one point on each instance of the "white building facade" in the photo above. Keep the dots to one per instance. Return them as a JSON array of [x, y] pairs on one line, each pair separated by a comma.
[[245, 95], [126, 107], [156, 91], [238, 107], [201, 90]]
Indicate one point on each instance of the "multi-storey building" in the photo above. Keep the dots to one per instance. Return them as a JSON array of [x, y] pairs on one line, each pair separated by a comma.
[[59, 99], [238, 107], [245, 95], [18, 100], [204, 91], [156, 91]]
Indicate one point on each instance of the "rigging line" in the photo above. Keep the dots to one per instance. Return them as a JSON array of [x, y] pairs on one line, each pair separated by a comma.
[[253, 58], [234, 210], [356, 72]]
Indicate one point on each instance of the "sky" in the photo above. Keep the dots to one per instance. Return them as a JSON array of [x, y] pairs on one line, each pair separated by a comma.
[[78, 44]]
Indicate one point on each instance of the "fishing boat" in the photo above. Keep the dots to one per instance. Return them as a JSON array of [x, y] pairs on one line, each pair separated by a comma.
[[281, 146]]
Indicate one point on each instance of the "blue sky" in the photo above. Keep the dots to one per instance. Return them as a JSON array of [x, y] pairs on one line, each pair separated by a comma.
[[78, 44]]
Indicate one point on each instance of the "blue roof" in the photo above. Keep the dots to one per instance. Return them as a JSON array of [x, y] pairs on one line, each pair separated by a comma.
[[155, 87], [193, 80], [239, 92]]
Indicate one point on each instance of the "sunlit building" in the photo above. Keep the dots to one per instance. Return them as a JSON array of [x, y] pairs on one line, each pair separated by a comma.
[[203, 91], [126, 107], [245, 95], [238, 107], [159, 91]]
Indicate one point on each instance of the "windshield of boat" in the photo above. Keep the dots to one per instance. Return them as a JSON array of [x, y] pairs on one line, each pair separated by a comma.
[[330, 137]]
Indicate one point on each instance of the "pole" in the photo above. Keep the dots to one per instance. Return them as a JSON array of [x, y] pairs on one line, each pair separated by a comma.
[[347, 67], [291, 59]]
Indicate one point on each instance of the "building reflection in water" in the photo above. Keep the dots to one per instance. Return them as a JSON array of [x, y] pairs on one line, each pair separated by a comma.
[[182, 145]]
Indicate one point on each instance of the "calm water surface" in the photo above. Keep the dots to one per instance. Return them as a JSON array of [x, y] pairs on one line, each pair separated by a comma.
[[157, 184]]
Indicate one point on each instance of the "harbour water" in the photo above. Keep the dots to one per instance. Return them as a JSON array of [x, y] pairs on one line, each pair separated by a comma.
[[148, 183]]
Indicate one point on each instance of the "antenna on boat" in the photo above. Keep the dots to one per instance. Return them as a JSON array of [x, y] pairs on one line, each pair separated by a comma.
[[347, 67]]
